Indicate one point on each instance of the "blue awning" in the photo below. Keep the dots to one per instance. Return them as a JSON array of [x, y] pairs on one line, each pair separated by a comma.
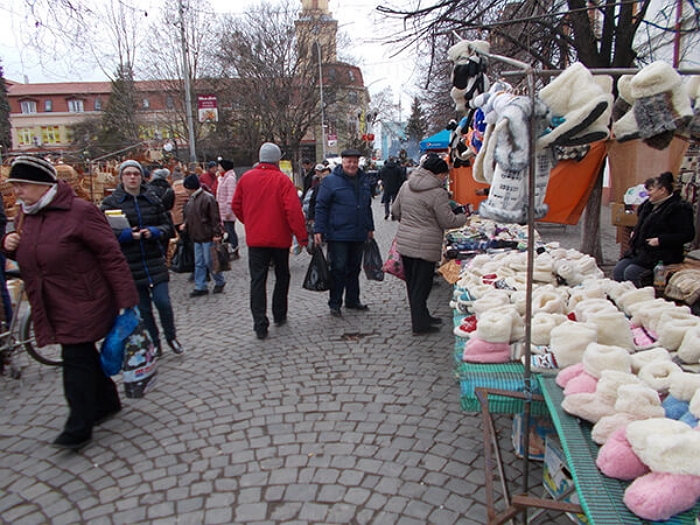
[[439, 141]]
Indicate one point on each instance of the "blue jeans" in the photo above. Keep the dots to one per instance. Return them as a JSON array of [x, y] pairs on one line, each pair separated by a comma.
[[202, 263], [259, 265], [345, 260], [160, 296], [230, 228], [626, 270]]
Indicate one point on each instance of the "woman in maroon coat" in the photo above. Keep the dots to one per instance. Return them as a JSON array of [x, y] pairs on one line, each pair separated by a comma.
[[77, 280]]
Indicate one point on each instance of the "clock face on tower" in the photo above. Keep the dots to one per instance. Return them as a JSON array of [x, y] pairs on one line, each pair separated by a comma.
[[314, 5]]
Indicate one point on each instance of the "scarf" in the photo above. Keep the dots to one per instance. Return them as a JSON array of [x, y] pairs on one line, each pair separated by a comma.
[[43, 202]]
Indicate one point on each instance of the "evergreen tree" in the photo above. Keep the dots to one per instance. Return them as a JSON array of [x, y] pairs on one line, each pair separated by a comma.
[[417, 124], [119, 121], [5, 129]]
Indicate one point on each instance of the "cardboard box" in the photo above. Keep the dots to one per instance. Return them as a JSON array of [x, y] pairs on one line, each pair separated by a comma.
[[540, 428], [556, 477], [621, 216]]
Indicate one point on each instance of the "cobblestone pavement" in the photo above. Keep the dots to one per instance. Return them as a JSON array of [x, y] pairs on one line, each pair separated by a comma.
[[329, 420]]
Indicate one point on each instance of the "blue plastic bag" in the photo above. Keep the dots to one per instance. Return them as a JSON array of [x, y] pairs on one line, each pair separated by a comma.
[[112, 350]]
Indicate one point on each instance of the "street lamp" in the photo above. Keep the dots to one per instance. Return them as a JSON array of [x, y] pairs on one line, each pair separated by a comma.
[[320, 85]]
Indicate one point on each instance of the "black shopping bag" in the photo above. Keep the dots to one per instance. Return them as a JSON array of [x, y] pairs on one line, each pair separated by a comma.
[[318, 276], [372, 261], [183, 258]]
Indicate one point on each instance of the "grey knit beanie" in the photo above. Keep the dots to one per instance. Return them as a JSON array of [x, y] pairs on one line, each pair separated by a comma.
[[130, 164], [162, 173], [270, 152]]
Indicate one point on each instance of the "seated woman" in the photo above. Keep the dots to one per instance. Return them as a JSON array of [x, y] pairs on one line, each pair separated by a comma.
[[665, 222]]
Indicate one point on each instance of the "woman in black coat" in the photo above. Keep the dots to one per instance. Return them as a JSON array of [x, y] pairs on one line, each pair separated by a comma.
[[142, 245], [665, 223]]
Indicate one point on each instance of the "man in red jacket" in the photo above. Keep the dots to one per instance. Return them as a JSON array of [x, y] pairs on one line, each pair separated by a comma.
[[267, 204]]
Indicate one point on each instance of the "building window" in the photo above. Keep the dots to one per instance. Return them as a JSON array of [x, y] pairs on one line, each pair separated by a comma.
[[50, 135], [76, 106], [146, 103], [28, 106], [98, 104], [48, 106], [169, 102], [352, 97], [25, 136], [351, 74]]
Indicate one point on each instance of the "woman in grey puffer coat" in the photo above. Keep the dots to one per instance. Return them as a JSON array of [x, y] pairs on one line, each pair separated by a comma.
[[424, 212]]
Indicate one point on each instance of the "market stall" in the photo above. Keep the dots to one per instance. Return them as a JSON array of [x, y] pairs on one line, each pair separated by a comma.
[[547, 310]]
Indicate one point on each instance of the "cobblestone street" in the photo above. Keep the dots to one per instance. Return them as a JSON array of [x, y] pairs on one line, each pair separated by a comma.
[[328, 420]]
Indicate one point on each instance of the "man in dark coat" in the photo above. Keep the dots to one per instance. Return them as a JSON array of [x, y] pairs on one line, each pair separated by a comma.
[[142, 245], [392, 176], [344, 220]]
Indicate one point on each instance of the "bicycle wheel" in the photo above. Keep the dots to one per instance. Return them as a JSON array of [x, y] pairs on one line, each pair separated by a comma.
[[46, 355]]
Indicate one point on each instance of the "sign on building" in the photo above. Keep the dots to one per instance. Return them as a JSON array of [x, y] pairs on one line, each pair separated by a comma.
[[206, 108]]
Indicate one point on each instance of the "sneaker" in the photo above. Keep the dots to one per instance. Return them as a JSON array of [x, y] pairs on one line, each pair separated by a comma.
[[219, 288], [335, 312], [68, 441], [176, 346], [197, 293]]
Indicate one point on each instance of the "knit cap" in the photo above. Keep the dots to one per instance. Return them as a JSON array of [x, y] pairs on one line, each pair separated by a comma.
[[270, 153], [191, 182], [27, 168], [130, 164]]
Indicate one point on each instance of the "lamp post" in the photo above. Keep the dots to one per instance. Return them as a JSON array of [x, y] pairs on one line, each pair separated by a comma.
[[323, 116], [186, 79]]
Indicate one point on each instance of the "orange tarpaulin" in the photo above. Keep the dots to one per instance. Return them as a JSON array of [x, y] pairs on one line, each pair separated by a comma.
[[570, 185]]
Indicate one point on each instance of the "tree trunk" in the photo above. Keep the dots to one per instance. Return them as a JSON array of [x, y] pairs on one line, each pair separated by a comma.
[[590, 234]]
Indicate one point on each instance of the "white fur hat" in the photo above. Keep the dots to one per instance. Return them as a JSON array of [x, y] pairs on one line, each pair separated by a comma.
[[633, 403], [684, 385], [569, 340], [542, 325], [689, 349], [582, 293], [613, 328], [548, 301], [591, 306], [666, 445], [633, 296], [615, 289], [658, 312], [644, 357], [598, 357], [490, 301], [672, 331], [657, 374], [494, 327], [657, 77]]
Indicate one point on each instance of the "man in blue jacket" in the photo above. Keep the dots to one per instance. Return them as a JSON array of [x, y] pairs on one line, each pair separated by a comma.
[[344, 220]]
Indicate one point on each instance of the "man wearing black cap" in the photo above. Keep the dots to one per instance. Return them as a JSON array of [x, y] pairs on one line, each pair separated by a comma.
[[346, 196]]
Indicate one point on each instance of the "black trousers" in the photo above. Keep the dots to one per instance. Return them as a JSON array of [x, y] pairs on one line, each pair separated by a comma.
[[89, 392], [419, 281], [259, 264]]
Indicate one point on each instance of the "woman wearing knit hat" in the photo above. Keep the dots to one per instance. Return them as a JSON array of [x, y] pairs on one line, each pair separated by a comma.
[[423, 210], [142, 245], [76, 279]]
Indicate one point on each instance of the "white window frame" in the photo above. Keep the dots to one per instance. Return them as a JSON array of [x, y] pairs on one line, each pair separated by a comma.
[[28, 107], [76, 105]]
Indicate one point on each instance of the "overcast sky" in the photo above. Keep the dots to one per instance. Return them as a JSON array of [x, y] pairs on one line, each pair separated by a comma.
[[355, 17]]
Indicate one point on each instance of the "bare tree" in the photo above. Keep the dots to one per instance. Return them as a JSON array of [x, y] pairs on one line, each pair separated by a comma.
[[273, 75]]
